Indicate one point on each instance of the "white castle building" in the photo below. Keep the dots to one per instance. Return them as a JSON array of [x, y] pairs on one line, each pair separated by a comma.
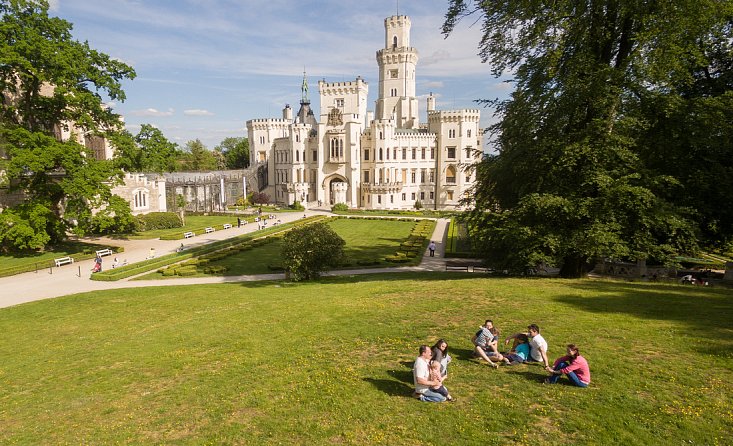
[[375, 160]]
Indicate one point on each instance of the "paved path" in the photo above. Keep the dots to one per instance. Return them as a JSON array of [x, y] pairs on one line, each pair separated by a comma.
[[74, 278]]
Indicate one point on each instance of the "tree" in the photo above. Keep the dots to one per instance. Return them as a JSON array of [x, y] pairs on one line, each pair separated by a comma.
[[309, 250], [197, 157], [259, 198], [50, 82], [570, 184], [235, 152], [148, 151]]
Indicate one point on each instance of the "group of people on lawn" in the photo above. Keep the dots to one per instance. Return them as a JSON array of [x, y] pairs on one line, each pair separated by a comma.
[[431, 366]]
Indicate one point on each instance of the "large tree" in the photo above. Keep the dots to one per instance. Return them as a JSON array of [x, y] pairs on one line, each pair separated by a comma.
[[309, 250], [570, 183], [197, 157], [235, 152], [148, 151], [49, 83]]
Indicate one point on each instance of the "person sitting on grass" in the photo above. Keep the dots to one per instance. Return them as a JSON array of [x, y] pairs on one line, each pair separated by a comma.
[[485, 341], [573, 365], [520, 352], [440, 354], [421, 377], [537, 345], [437, 376]]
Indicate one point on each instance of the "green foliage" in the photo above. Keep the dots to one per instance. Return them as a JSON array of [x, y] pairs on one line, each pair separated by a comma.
[[296, 206], [417, 205], [235, 152], [159, 220], [309, 250], [114, 218], [148, 151], [574, 178], [47, 80], [339, 207], [198, 158]]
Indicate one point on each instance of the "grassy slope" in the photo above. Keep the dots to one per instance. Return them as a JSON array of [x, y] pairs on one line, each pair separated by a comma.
[[329, 362]]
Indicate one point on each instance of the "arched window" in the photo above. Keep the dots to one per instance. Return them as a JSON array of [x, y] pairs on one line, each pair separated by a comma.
[[394, 42], [140, 199], [381, 153], [450, 175], [297, 156]]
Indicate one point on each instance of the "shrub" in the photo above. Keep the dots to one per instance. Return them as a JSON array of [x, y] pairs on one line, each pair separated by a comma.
[[297, 206], [159, 220], [308, 250], [339, 207]]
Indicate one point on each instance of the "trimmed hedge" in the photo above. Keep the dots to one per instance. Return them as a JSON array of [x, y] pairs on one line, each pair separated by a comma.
[[159, 220]]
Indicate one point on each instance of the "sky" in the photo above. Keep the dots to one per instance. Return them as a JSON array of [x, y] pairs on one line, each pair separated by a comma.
[[205, 67]]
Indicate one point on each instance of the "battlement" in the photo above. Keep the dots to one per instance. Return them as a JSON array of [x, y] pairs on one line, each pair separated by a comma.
[[397, 20], [454, 115], [340, 88]]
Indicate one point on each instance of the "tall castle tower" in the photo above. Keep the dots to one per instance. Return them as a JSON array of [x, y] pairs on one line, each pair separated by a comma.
[[397, 61]]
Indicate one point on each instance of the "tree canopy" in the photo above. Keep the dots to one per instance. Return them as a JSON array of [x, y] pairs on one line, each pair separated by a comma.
[[197, 157], [148, 151], [589, 164], [235, 152], [309, 250], [51, 84]]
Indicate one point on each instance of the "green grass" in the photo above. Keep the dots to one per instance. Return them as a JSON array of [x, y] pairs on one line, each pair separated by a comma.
[[11, 264], [366, 240], [193, 222], [329, 363]]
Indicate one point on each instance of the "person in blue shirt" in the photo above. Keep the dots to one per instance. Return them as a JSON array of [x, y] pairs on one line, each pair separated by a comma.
[[520, 353]]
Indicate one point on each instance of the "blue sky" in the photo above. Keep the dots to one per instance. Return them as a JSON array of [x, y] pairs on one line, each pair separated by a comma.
[[205, 67]]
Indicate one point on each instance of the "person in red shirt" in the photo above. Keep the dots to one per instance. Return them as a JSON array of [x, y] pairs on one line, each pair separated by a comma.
[[573, 365]]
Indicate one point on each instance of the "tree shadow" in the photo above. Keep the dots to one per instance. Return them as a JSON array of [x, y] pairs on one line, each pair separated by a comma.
[[704, 311], [461, 353]]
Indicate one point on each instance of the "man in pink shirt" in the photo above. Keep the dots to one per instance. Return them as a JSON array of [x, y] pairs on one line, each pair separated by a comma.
[[573, 365]]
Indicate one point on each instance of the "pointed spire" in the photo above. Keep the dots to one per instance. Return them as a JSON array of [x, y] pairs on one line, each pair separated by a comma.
[[304, 88]]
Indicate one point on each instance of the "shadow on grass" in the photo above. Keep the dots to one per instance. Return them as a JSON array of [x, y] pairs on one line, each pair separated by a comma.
[[392, 388], [706, 312], [529, 373]]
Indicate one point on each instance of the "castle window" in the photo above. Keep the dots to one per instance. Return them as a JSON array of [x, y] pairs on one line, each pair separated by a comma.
[[432, 175], [262, 139], [468, 133], [393, 92], [423, 153], [404, 154], [468, 152], [366, 176], [451, 152], [450, 195], [380, 154], [140, 199], [422, 175], [450, 175], [391, 198], [451, 133], [387, 153], [394, 42], [413, 176], [404, 196], [432, 153], [297, 137], [394, 74], [339, 102], [422, 195], [432, 195], [381, 135], [379, 199], [413, 196], [394, 154], [366, 155], [297, 156], [315, 155], [414, 152]]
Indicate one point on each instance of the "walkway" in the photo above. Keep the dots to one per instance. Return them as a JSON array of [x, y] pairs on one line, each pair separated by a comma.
[[74, 278]]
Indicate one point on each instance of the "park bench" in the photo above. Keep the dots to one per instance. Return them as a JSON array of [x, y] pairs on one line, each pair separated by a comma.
[[456, 266], [63, 261], [188, 234], [104, 252], [226, 225], [209, 229]]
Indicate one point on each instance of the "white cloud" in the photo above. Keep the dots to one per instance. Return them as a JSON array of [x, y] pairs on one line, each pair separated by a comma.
[[197, 112], [433, 84], [152, 112], [53, 5]]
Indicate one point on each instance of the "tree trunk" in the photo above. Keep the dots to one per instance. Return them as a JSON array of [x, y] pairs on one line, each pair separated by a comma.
[[574, 267]]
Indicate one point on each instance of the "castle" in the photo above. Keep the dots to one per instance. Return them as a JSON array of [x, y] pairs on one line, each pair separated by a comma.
[[385, 159]]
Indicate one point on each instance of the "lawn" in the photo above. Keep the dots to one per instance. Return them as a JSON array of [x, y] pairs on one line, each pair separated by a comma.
[[193, 222], [11, 264], [366, 240], [329, 363]]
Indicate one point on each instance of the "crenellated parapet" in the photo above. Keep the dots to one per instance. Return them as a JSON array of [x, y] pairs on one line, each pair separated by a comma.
[[464, 115]]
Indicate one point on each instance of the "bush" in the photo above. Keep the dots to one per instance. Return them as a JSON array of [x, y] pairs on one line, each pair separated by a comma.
[[159, 220], [339, 207], [297, 206], [308, 250]]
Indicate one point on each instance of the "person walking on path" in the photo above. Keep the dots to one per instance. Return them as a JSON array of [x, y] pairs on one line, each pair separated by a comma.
[[431, 247]]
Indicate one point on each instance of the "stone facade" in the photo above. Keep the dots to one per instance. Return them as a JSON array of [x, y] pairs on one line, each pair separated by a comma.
[[209, 191], [145, 192], [385, 161]]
